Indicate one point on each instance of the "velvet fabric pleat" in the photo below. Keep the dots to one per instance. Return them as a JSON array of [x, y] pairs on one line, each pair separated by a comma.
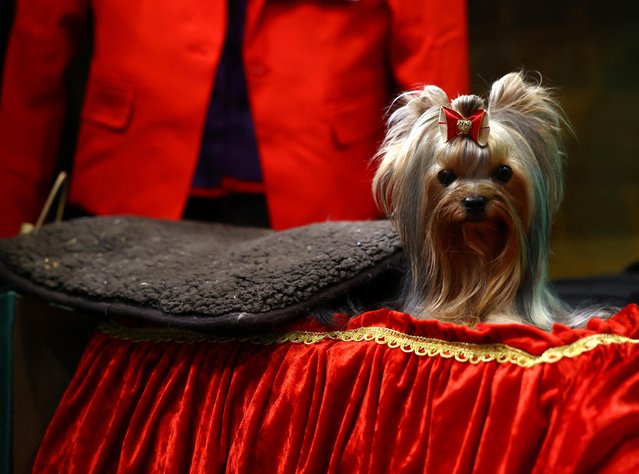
[[358, 406]]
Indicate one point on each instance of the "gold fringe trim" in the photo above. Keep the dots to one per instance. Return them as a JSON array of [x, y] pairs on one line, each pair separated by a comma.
[[420, 346]]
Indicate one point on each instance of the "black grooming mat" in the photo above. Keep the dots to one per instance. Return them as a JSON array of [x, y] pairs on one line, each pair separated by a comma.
[[223, 278], [200, 275]]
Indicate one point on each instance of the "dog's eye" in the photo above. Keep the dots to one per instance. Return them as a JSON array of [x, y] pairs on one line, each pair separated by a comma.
[[504, 174], [446, 177]]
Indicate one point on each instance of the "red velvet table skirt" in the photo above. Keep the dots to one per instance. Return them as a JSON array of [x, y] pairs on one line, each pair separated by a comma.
[[386, 394]]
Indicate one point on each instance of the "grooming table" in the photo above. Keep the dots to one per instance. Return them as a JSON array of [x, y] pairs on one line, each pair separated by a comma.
[[200, 356]]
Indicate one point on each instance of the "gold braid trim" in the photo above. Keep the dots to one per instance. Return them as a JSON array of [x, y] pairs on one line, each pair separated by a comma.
[[421, 346]]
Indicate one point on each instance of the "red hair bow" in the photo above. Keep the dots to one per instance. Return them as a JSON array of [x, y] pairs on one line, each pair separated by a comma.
[[452, 123]]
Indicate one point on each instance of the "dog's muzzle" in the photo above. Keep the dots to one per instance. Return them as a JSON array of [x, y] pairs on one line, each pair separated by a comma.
[[474, 205]]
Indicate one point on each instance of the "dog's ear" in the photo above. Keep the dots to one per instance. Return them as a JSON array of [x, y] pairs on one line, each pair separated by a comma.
[[409, 107], [392, 159], [526, 117], [517, 94], [415, 103], [509, 91]]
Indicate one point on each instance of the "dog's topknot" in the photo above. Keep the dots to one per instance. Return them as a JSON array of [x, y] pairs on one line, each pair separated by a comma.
[[467, 104]]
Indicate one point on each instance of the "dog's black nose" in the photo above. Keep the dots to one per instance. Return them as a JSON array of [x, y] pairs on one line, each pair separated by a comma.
[[474, 204]]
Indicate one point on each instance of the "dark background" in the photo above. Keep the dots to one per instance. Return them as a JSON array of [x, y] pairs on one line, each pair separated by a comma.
[[589, 50]]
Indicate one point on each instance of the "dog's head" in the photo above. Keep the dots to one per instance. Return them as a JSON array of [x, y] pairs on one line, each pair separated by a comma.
[[472, 190]]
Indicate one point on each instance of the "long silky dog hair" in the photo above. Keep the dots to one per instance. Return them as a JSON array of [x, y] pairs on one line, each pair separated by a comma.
[[474, 215]]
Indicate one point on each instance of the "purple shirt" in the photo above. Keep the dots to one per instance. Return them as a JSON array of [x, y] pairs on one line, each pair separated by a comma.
[[229, 147]]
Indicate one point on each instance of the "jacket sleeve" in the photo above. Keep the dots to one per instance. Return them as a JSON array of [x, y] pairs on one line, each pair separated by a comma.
[[44, 38], [429, 44]]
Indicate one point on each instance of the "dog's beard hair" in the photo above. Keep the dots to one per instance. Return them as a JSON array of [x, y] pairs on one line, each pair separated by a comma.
[[466, 272], [470, 270], [461, 271]]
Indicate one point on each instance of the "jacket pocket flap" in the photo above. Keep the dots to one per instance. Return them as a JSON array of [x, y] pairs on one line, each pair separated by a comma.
[[356, 120], [108, 103]]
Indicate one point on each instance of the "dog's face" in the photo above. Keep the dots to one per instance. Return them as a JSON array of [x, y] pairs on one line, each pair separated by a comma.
[[474, 212], [476, 201]]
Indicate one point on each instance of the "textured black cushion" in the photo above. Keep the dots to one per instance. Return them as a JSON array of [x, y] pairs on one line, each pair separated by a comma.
[[198, 275], [229, 279]]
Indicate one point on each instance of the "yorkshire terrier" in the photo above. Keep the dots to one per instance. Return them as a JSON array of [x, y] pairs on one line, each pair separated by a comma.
[[472, 191]]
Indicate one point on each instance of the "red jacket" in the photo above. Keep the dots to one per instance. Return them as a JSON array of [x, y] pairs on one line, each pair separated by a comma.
[[320, 74]]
